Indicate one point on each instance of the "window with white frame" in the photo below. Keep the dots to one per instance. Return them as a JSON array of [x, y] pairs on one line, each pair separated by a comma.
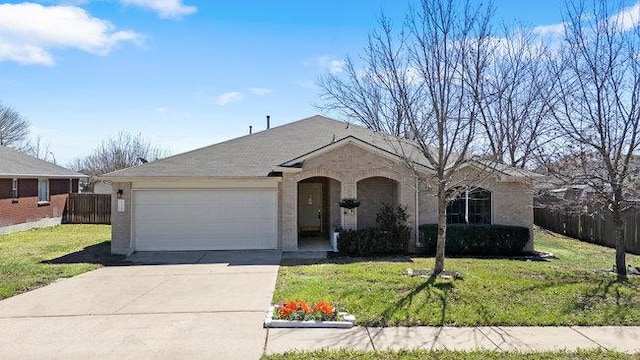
[[472, 206], [43, 190], [14, 188]]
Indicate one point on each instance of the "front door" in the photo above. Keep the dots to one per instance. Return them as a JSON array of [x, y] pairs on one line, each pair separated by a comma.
[[310, 207]]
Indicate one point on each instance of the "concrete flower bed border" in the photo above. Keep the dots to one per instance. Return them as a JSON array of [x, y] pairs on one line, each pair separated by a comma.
[[270, 322]]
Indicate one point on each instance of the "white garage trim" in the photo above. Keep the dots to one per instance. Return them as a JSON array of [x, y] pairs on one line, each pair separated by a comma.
[[204, 219]]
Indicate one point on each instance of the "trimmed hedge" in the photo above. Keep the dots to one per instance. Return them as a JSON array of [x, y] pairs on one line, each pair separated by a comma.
[[476, 240], [373, 241]]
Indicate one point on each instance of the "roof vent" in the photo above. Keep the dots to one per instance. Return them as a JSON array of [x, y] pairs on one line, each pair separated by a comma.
[[250, 129], [268, 121]]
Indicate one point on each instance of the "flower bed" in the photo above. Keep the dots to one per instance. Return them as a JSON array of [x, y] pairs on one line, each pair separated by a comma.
[[299, 314]]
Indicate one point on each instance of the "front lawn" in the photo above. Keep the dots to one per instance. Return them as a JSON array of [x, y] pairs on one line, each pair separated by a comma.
[[566, 291], [30, 259], [449, 355]]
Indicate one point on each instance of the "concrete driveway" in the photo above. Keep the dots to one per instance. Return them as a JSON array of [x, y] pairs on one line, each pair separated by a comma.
[[196, 305]]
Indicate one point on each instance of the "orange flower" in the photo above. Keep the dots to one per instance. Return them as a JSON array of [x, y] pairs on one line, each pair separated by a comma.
[[324, 307], [300, 310], [287, 309], [303, 306]]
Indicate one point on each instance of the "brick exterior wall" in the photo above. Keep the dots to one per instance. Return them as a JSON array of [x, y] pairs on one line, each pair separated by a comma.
[[347, 166], [121, 242], [25, 208], [373, 179], [511, 201], [335, 212], [352, 171], [373, 193]]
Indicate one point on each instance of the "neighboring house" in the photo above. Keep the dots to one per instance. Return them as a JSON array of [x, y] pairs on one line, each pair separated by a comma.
[[269, 189], [100, 187], [33, 192]]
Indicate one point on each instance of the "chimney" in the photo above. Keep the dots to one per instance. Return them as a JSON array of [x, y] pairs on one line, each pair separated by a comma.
[[268, 121], [250, 129]]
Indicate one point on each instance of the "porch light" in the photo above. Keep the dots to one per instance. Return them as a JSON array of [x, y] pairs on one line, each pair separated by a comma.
[[119, 193]]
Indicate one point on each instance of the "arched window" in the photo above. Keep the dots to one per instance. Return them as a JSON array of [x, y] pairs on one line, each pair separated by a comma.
[[472, 206]]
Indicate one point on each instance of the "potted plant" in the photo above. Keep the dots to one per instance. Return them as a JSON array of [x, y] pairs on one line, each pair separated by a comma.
[[349, 203]]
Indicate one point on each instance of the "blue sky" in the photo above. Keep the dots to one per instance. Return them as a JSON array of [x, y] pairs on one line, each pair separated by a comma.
[[187, 73]]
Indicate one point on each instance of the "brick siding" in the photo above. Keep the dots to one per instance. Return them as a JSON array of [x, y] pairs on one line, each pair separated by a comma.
[[373, 193], [26, 208], [121, 242]]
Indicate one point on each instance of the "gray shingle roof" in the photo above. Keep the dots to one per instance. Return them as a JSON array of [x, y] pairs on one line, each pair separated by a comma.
[[16, 164], [259, 153]]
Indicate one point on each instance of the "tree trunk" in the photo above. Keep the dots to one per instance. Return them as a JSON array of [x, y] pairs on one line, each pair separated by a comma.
[[621, 265], [442, 228]]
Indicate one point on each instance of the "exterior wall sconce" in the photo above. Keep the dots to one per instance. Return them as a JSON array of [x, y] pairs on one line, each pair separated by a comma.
[[119, 193]]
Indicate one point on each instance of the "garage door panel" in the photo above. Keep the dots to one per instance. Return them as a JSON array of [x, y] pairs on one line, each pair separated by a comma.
[[205, 220]]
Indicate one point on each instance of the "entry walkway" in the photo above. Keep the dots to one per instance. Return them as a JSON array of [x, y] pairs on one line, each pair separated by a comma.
[[623, 339]]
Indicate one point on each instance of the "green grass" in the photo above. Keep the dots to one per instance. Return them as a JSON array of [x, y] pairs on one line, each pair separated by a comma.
[[565, 291], [450, 355], [34, 258]]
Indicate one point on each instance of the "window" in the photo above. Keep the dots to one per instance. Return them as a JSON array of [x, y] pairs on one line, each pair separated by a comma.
[[43, 190], [471, 207], [14, 188]]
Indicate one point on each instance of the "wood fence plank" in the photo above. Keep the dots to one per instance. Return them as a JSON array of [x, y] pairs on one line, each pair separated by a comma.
[[597, 228], [89, 209]]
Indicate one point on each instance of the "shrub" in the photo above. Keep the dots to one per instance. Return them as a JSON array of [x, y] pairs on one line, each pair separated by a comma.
[[391, 236], [478, 240], [389, 217], [373, 241]]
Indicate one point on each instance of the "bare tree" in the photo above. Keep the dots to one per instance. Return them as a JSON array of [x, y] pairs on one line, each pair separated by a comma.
[[14, 129], [515, 116], [123, 151], [38, 148], [424, 81], [597, 93]]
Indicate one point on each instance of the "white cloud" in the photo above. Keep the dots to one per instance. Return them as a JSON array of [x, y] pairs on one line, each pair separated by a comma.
[[228, 97], [629, 17], [25, 54], [626, 19], [552, 30], [28, 31], [260, 91], [168, 9], [336, 66], [162, 110], [329, 63]]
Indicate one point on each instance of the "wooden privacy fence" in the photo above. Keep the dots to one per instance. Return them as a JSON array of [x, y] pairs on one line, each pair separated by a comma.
[[89, 209], [596, 227]]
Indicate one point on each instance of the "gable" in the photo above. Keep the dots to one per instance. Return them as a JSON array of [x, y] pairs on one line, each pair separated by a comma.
[[344, 146]]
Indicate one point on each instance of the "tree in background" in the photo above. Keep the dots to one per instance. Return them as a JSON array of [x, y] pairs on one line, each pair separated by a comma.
[[14, 129], [116, 153], [424, 82], [515, 116], [596, 105], [14, 133]]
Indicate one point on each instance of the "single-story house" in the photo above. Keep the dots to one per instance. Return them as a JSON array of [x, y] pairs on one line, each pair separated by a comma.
[[277, 188], [33, 192], [99, 187]]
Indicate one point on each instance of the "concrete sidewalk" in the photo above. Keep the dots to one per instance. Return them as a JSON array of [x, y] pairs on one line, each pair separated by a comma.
[[619, 338]]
